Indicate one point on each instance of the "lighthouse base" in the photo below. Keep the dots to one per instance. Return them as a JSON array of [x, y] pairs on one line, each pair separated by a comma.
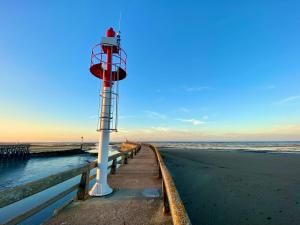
[[99, 190]]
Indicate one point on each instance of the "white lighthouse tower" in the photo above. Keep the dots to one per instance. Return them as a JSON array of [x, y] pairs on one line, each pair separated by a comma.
[[108, 62]]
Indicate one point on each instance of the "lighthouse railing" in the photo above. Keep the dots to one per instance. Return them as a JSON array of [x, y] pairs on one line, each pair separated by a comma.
[[99, 56], [16, 194]]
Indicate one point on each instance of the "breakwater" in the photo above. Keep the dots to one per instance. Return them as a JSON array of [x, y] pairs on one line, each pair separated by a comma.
[[19, 151], [24, 151]]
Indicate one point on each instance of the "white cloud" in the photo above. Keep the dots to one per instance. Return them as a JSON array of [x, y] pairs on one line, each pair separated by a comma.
[[93, 116], [147, 131], [126, 117], [276, 132], [124, 131], [192, 121], [288, 99], [197, 89], [184, 110], [155, 115], [164, 129], [267, 87], [154, 129]]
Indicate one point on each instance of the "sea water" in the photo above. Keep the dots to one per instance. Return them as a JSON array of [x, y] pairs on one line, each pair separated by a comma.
[[259, 147], [17, 172]]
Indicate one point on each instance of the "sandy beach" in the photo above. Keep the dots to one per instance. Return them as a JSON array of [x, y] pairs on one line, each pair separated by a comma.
[[234, 187]]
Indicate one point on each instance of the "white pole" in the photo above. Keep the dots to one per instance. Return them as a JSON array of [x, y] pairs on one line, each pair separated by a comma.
[[101, 186]]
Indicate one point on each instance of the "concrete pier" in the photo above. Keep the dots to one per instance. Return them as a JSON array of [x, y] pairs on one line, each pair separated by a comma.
[[136, 200]]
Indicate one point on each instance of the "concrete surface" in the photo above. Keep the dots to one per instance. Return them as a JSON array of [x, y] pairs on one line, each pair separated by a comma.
[[136, 199]]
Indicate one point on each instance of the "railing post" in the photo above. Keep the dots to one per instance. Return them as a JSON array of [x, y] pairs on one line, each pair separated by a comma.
[[113, 166], [159, 172], [131, 154], [166, 208], [125, 160], [83, 187]]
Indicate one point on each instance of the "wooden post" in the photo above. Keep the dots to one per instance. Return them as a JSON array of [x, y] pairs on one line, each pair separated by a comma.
[[166, 207], [131, 154], [83, 187], [125, 160], [113, 166]]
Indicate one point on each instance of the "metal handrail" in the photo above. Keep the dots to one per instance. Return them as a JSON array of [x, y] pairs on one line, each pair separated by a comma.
[[97, 53], [100, 60], [15, 194]]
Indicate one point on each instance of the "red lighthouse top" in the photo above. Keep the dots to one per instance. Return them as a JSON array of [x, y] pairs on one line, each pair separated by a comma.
[[108, 59], [110, 32]]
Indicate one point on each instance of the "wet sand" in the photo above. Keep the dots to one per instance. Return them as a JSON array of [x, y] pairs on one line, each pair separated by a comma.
[[237, 188]]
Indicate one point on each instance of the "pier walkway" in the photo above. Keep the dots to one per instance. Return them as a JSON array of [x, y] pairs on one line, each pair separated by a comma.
[[136, 200]]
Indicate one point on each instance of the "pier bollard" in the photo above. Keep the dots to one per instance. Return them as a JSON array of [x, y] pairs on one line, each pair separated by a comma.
[[113, 166], [83, 187]]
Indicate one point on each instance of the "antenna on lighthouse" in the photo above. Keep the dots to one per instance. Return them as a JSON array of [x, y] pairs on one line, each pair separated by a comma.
[[120, 18], [108, 63]]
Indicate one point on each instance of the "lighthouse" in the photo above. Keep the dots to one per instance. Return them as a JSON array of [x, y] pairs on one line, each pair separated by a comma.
[[108, 63]]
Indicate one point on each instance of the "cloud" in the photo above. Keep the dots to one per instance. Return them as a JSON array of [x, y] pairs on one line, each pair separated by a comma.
[[193, 121], [267, 87], [126, 117], [124, 131], [205, 117], [164, 129], [184, 110], [197, 89], [155, 115], [152, 130], [93, 116], [279, 132], [288, 99], [148, 131]]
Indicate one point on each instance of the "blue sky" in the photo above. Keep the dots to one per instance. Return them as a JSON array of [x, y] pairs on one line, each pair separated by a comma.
[[197, 70]]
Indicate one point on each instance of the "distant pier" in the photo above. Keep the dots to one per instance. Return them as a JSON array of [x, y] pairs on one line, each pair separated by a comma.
[[18, 151], [24, 151]]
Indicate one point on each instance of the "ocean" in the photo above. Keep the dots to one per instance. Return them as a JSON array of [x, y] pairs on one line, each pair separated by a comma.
[[18, 172], [259, 147]]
